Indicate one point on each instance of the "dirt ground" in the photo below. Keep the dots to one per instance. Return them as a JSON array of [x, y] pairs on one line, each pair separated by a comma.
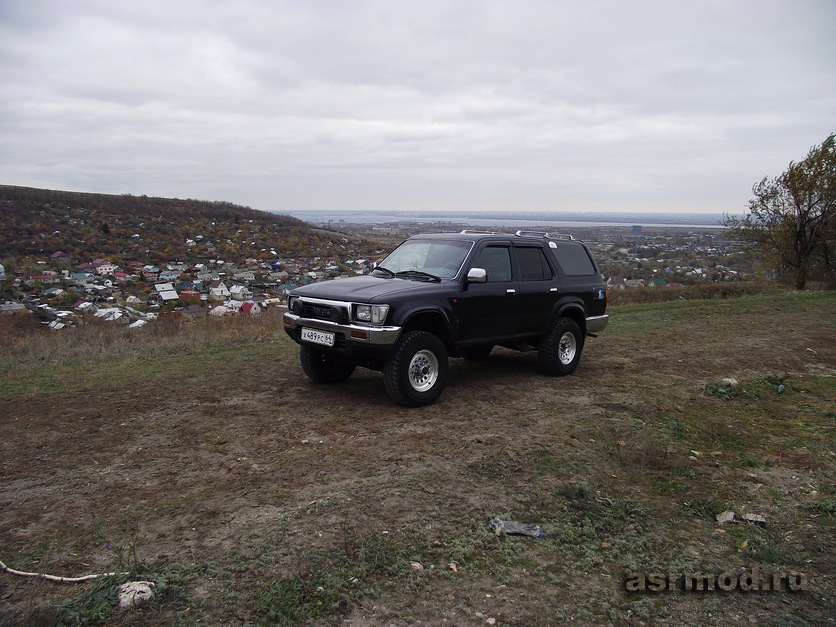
[[227, 481]]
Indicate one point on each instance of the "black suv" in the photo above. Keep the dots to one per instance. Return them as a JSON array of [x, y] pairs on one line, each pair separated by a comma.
[[451, 294]]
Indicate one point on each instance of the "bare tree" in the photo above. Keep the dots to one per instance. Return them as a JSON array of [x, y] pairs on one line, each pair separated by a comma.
[[791, 218]]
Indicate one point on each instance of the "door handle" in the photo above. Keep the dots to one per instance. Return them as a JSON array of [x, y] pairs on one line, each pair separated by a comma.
[[510, 290]]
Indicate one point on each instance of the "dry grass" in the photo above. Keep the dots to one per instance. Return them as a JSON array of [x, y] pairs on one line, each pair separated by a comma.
[[706, 291], [25, 343]]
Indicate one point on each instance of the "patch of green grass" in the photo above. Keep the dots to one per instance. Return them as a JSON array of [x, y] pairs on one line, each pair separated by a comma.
[[95, 605], [723, 389], [749, 462], [282, 601], [824, 506], [764, 549], [580, 491], [333, 582], [706, 509], [677, 428], [98, 603]]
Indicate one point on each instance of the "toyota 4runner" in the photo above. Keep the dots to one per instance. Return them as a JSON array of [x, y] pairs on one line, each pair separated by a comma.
[[451, 295]]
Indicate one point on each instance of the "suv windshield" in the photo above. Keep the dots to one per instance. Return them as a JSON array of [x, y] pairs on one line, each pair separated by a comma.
[[440, 258]]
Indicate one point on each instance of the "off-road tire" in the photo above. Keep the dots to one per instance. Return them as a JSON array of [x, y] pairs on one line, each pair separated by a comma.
[[322, 367], [560, 350], [416, 373]]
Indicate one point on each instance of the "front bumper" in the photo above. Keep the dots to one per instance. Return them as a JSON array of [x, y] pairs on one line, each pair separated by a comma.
[[351, 334], [596, 324]]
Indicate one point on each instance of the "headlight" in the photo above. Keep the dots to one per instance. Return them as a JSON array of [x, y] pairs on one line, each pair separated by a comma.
[[371, 314]]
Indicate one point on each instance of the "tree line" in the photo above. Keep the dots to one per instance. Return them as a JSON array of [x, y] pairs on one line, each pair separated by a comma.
[[791, 223]]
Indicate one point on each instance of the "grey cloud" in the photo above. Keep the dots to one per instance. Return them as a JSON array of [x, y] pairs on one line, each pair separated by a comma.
[[415, 105]]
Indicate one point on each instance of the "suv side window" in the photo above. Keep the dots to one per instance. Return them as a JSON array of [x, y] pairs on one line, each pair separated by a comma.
[[572, 258], [496, 260], [532, 263]]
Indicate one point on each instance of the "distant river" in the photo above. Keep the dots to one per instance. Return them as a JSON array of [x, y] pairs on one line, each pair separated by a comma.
[[708, 221]]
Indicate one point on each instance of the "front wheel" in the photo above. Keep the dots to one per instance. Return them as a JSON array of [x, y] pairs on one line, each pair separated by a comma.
[[322, 367], [560, 350], [416, 373]]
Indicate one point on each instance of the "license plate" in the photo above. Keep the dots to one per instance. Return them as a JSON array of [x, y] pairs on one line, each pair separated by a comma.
[[318, 337]]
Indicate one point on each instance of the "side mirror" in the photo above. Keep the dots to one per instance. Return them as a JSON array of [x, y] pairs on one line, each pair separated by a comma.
[[477, 275]]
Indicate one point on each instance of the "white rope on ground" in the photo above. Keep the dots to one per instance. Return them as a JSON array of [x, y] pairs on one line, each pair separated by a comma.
[[21, 573]]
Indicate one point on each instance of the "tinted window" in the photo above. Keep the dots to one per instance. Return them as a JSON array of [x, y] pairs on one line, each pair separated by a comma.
[[533, 264], [496, 260], [573, 258]]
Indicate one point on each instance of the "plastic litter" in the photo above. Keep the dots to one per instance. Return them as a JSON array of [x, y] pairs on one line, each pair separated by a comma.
[[730, 517], [501, 527]]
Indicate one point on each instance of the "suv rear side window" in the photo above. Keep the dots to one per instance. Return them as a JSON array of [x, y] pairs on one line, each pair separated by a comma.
[[572, 258], [532, 263]]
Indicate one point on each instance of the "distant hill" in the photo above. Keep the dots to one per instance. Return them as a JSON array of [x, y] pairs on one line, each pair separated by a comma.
[[35, 223]]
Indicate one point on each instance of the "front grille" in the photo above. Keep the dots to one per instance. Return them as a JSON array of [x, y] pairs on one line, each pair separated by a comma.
[[334, 313]]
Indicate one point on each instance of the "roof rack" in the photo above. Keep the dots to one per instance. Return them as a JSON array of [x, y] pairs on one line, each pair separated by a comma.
[[544, 234], [473, 232]]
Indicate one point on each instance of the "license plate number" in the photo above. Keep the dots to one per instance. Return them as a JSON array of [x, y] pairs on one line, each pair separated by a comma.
[[318, 337]]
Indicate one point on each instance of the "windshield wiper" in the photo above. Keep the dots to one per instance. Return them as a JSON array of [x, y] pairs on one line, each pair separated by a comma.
[[418, 274], [386, 270]]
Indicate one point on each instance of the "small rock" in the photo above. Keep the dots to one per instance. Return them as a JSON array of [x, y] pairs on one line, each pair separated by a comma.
[[416, 566], [716, 453], [135, 594], [730, 383], [725, 517], [491, 621], [755, 519]]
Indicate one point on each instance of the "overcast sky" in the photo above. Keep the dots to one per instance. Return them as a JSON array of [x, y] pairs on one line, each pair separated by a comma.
[[416, 106]]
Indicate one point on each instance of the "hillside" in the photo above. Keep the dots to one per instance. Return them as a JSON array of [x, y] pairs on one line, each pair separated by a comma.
[[201, 458], [35, 223]]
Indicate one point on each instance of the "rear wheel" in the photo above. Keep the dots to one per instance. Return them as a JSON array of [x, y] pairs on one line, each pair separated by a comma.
[[560, 351], [416, 373], [322, 367]]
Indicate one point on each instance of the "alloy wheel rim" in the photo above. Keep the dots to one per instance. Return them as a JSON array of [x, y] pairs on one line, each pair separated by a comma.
[[566, 348], [423, 370]]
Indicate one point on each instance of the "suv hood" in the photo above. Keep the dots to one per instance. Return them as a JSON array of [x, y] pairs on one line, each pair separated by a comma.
[[363, 289]]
